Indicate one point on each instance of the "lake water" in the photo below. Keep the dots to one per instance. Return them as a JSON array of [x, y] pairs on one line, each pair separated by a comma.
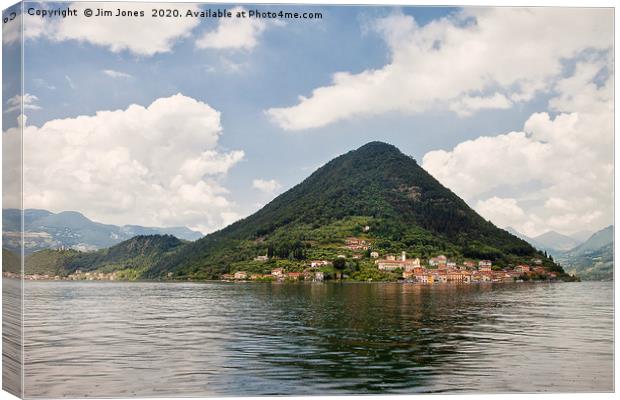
[[209, 339]]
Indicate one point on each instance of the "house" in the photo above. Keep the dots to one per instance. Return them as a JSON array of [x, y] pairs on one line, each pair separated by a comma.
[[455, 276], [424, 278], [439, 261], [277, 272], [319, 263], [228, 277], [319, 276], [389, 265], [441, 276], [451, 264], [241, 275], [374, 254], [408, 274], [522, 268], [261, 258], [403, 263], [390, 257], [469, 264], [485, 265], [294, 275]]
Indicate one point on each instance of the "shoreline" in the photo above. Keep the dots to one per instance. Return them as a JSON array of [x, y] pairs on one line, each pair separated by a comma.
[[329, 282]]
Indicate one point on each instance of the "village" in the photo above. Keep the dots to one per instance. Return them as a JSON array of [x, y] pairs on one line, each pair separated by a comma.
[[438, 269]]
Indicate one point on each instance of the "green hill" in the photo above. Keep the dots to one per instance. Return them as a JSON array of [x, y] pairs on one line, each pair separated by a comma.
[[49, 262], [377, 186], [132, 256], [10, 262]]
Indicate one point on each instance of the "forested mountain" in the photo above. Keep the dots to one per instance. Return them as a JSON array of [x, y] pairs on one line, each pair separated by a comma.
[[375, 193], [404, 208]]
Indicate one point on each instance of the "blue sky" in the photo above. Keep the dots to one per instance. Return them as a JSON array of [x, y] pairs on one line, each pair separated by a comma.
[[247, 77]]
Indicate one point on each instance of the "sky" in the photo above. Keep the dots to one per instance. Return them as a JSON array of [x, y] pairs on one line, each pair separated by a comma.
[[202, 121]]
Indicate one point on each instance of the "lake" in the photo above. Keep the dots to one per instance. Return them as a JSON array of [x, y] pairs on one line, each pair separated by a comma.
[[208, 339]]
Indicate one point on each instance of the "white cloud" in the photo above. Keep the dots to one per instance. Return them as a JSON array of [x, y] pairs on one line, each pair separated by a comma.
[[235, 33], [144, 36], [561, 166], [266, 186], [503, 211], [468, 105], [157, 165], [116, 74], [15, 103], [478, 58]]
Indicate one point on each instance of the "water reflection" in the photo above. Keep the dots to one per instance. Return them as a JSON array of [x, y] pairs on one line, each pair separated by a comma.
[[151, 339]]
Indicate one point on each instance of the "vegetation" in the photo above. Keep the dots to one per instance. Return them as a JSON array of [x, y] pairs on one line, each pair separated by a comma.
[[10, 262], [374, 193], [130, 258], [376, 186]]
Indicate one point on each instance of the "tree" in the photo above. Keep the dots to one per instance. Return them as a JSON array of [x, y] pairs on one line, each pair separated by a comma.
[[339, 265]]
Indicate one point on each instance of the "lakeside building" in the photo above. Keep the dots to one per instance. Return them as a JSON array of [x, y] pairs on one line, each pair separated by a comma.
[[392, 264], [277, 272], [485, 265], [241, 275], [522, 268]]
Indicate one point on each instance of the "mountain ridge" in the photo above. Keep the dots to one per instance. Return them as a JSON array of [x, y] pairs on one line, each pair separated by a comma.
[[71, 229], [407, 208]]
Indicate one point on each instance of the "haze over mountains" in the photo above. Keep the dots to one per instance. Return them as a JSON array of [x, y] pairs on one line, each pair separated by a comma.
[[69, 229], [590, 259], [551, 241]]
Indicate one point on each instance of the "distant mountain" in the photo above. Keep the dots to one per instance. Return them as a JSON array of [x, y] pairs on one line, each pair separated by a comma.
[[581, 236], [552, 242], [593, 259], [555, 241], [520, 235], [598, 240], [70, 229]]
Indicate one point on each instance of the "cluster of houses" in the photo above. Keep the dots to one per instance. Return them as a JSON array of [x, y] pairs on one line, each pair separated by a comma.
[[76, 276], [92, 276], [440, 270], [277, 274], [446, 271]]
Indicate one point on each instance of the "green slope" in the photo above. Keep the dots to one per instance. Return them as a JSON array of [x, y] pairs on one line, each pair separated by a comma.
[[10, 262], [133, 256], [375, 185]]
